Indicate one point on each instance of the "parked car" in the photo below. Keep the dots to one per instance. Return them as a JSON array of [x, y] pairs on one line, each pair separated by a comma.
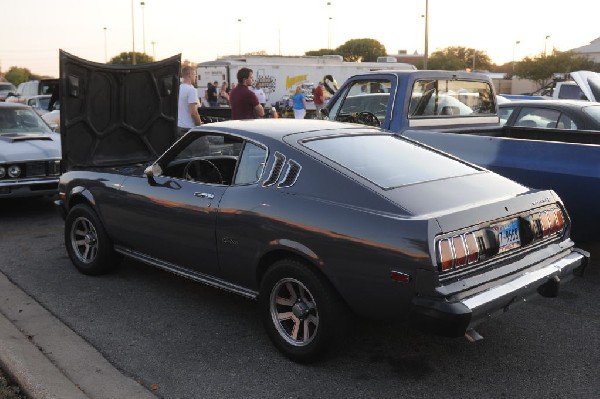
[[5, 89], [30, 153], [551, 114], [31, 88], [312, 218], [39, 103]]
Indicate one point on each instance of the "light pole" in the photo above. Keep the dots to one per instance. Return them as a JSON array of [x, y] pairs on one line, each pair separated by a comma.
[[545, 42], [474, 57], [105, 52], [239, 36], [426, 55], [329, 25], [143, 27], [153, 53], [132, 36], [514, 47]]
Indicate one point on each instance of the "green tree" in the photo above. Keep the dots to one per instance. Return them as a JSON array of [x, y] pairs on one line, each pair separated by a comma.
[[366, 50], [126, 58], [323, 51], [541, 68], [17, 75], [459, 58]]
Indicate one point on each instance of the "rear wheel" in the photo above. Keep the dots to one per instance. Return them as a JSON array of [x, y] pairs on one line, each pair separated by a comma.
[[301, 312], [88, 245]]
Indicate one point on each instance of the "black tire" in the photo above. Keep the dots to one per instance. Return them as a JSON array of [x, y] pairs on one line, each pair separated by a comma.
[[88, 245], [301, 311]]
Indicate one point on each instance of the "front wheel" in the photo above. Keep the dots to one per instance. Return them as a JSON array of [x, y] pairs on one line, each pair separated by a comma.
[[301, 312], [88, 245]]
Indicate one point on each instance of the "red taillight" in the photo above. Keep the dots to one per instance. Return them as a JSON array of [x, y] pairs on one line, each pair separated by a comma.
[[472, 248], [446, 255], [460, 251], [560, 220]]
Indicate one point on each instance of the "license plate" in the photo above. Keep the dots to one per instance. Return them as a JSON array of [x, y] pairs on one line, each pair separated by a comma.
[[508, 235]]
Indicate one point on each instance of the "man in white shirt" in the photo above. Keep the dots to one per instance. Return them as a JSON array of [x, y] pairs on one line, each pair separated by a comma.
[[260, 94], [187, 115]]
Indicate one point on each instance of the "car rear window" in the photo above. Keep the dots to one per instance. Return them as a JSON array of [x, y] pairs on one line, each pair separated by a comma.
[[388, 161]]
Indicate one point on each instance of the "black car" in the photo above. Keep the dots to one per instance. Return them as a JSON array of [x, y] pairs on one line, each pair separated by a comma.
[[314, 217], [551, 114]]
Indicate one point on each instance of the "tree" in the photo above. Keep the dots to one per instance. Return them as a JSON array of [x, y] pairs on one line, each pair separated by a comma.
[[323, 51], [459, 58], [126, 58], [541, 68], [366, 50]]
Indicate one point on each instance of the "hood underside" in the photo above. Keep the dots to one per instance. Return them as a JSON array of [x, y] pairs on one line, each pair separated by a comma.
[[114, 115]]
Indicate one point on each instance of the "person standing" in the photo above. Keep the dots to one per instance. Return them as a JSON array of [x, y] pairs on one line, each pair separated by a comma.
[[318, 99], [299, 106], [187, 107], [211, 93], [244, 104], [224, 94], [260, 94]]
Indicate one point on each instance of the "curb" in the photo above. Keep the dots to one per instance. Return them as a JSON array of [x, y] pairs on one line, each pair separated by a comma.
[[50, 361]]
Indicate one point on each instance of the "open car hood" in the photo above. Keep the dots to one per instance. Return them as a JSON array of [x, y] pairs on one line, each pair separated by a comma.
[[589, 82], [113, 115]]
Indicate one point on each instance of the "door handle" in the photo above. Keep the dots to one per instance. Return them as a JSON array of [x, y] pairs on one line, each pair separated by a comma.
[[204, 195]]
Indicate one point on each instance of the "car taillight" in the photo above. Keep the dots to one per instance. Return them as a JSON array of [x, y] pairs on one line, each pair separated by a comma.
[[467, 249]]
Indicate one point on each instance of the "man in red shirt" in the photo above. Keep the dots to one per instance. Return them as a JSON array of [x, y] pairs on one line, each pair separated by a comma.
[[244, 104], [318, 99]]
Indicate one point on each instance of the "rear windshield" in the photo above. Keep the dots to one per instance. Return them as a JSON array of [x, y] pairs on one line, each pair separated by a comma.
[[388, 161]]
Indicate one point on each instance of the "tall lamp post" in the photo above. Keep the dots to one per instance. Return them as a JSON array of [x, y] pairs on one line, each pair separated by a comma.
[[329, 25], [105, 52], [132, 36], [239, 36], [153, 53], [546, 42], [143, 27], [426, 55], [514, 48]]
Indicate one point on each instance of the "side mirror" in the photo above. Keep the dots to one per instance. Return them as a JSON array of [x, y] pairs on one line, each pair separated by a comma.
[[151, 171]]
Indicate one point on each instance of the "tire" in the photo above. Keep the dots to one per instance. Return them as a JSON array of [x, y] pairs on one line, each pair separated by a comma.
[[301, 311], [88, 245]]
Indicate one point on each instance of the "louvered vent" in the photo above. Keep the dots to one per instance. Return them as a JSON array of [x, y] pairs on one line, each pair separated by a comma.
[[293, 171], [275, 170]]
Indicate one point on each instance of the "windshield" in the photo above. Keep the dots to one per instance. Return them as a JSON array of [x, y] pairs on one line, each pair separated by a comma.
[[388, 161], [19, 120], [7, 87]]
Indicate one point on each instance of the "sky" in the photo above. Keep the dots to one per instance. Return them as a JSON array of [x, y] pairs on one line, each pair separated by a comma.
[[33, 31]]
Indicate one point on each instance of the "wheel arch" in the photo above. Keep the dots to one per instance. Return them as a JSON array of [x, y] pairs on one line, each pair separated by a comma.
[[81, 195]]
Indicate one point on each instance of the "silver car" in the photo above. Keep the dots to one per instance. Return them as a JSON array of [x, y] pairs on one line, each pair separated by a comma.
[[30, 153]]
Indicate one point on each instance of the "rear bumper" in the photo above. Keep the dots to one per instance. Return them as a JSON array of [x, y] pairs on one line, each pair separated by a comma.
[[454, 318]]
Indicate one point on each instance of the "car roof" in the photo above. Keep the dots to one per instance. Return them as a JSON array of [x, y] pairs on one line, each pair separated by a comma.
[[276, 129]]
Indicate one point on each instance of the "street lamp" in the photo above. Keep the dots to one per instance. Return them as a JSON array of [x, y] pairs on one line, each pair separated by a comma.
[[545, 42], [329, 25], [514, 47], [143, 27], [426, 55], [239, 36], [153, 53], [105, 52], [132, 36]]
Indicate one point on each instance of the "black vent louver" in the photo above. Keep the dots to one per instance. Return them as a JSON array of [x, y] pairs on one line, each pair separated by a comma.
[[275, 169], [293, 171]]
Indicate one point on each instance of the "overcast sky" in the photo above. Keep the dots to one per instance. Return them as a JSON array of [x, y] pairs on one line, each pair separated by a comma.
[[201, 30]]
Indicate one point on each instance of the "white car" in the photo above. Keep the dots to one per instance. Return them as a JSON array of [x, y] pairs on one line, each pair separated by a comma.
[[30, 153]]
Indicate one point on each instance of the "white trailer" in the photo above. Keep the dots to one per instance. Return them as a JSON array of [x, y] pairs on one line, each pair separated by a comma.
[[280, 75]]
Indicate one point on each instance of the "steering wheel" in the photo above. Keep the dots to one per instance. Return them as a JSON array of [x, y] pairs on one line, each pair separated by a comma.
[[368, 118], [202, 170]]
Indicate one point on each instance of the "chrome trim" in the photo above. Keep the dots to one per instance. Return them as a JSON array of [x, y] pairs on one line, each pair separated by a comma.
[[279, 160], [28, 181], [442, 121], [204, 195], [291, 165], [497, 298], [192, 275]]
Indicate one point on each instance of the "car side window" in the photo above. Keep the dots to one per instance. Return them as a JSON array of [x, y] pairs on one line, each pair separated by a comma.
[[251, 164], [505, 114], [566, 123], [538, 117], [370, 96]]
